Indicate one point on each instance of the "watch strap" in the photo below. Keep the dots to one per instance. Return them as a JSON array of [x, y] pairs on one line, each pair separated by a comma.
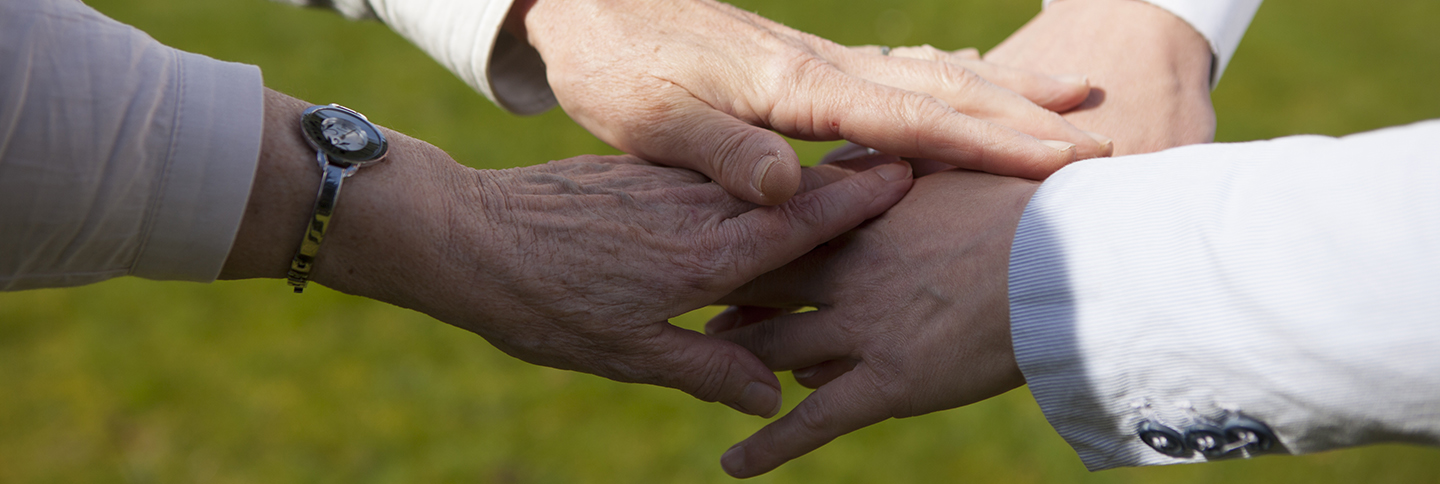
[[333, 176]]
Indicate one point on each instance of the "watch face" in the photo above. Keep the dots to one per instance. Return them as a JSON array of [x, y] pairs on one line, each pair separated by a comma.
[[343, 135]]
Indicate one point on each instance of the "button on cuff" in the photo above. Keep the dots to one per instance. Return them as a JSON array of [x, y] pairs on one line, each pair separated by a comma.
[[1163, 439]]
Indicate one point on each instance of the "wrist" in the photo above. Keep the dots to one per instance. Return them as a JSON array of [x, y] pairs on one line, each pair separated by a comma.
[[389, 224], [380, 215], [1131, 34], [1149, 70], [281, 197]]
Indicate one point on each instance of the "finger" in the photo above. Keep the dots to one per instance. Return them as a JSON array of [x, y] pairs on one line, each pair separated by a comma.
[[815, 376], [736, 316], [847, 151], [919, 167], [773, 236], [974, 95], [913, 124], [849, 403], [1055, 93], [712, 370], [791, 341], [921, 52], [814, 177], [751, 163], [968, 53]]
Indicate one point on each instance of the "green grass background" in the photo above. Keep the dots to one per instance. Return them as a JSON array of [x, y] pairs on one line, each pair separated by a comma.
[[139, 381]]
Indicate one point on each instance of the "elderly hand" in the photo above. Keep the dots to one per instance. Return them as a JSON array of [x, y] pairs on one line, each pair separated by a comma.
[[1150, 70], [912, 318], [575, 264], [694, 83]]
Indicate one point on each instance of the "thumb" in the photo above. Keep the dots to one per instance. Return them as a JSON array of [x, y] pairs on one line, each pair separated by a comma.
[[751, 163], [715, 370]]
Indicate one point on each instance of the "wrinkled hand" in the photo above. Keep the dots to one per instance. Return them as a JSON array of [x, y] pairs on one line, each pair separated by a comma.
[[579, 264], [574, 264], [913, 316], [1150, 70], [695, 83], [585, 260]]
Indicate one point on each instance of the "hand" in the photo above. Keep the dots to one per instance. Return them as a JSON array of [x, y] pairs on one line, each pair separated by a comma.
[[694, 83], [1149, 69], [575, 264], [913, 316]]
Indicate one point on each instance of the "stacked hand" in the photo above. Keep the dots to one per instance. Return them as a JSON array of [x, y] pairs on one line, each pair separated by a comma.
[[574, 264], [913, 316], [579, 264], [700, 84], [913, 312]]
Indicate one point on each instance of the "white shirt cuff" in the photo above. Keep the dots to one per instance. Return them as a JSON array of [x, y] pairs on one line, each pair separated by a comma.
[[1289, 281]]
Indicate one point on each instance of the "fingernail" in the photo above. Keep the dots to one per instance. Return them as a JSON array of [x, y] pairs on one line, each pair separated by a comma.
[[806, 372], [762, 169], [733, 461], [893, 171], [760, 399], [1060, 146], [1105, 141], [723, 321], [1078, 79]]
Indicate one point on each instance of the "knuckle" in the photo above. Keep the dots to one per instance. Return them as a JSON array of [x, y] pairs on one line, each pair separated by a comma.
[[889, 380], [956, 78], [802, 98], [760, 340], [708, 374], [815, 418], [929, 52], [808, 211], [923, 117], [729, 148]]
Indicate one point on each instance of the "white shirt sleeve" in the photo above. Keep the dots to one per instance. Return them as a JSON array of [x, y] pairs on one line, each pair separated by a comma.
[[118, 155], [1221, 22], [466, 37], [1291, 281]]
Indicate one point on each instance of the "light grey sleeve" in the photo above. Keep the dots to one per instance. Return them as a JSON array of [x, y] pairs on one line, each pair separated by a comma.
[[1292, 282], [118, 155]]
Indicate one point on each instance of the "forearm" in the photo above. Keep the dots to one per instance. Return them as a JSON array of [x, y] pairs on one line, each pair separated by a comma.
[[385, 212], [1290, 281]]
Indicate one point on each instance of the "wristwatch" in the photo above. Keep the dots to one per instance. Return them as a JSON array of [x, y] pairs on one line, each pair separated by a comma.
[[344, 142]]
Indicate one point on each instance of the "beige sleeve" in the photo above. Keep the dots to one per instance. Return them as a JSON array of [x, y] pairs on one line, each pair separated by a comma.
[[118, 155], [465, 37]]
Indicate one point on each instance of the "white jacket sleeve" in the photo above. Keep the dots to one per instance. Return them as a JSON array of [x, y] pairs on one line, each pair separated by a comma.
[[1293, 282], [465, 37], [118, 155], [1221, 22]]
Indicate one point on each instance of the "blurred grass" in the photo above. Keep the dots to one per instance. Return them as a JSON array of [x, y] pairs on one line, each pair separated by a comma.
[[139, 381]]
